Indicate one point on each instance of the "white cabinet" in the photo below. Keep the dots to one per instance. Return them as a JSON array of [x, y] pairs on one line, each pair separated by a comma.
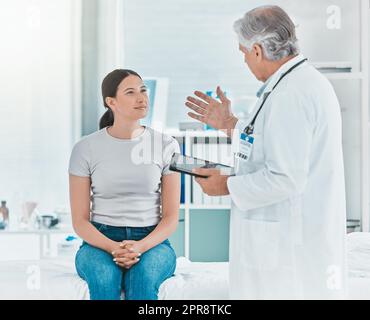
[[352, 89]]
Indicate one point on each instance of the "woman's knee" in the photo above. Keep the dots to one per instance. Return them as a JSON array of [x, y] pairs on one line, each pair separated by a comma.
[[161, 256], [94, 264], [155, 266]]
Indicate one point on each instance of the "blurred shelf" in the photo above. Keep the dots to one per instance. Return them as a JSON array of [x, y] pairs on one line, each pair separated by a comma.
[[353, 225], [206, 133], [206, 206], [344, 75], [36, 231]]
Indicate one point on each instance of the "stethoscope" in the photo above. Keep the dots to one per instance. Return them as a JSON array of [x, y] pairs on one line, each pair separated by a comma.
[[250, 128]]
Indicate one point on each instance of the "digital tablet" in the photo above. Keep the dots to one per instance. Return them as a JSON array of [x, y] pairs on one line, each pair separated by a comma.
[[186, 164]]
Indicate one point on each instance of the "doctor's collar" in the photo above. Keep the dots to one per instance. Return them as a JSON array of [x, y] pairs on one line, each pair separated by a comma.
[[263, 87], [269, 83]]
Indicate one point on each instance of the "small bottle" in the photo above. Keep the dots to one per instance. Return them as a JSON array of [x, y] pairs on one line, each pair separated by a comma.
[[2, 224], [5, 212]]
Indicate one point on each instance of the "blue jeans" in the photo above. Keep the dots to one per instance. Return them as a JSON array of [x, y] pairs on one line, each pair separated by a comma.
[[106, 280]]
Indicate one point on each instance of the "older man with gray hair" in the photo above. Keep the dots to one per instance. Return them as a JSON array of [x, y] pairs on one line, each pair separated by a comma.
[[287, 222]]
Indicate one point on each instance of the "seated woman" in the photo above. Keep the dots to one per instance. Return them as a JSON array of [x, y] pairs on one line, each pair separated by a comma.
[[124, 170]]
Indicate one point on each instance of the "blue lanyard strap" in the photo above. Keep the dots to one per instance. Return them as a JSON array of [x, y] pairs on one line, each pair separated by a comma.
[[250, 128]]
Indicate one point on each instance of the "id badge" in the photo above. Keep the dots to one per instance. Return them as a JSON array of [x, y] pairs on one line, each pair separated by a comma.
[[245, 146]]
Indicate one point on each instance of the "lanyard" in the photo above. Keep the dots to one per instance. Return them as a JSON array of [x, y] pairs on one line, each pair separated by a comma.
[[250, 128]]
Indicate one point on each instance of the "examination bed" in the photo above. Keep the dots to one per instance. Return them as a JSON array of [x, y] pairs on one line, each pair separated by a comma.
[[57, 279]]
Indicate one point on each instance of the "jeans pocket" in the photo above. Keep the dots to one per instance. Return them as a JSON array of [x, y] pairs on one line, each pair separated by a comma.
[[167, 242], [149, 229], [139, 233], [99, 226]]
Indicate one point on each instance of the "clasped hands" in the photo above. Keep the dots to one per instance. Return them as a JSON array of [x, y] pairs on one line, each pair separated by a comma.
[[127, 254]]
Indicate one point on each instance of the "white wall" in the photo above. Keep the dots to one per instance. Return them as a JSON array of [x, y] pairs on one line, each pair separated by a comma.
[[194, 45], [38, 96]]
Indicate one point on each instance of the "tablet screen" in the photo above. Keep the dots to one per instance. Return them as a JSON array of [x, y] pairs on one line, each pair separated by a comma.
[[186, 164]]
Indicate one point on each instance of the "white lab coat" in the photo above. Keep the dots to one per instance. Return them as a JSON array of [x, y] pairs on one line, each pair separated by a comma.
[[288, 217]]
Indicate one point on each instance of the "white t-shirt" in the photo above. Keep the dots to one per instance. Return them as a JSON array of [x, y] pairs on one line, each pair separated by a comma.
[[125, 175]]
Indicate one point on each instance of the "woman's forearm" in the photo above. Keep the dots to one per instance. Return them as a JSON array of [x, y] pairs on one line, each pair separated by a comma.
[[92, 236], [164, 229]]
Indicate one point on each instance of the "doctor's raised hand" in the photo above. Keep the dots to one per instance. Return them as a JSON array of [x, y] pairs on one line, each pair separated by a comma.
[[216, 114]]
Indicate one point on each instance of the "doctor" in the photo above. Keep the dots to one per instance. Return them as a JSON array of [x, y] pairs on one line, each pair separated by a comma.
[[287, 236]]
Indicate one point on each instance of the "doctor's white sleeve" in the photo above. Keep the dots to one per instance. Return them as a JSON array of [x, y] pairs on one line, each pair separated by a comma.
[[288, 130]]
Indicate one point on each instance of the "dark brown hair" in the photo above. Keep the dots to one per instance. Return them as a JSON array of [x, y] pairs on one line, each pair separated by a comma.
[[109, 88]]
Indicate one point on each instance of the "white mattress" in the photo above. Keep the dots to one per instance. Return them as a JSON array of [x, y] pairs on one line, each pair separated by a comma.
[[358, 245], [197, 281], [57, 279], [359, 288]]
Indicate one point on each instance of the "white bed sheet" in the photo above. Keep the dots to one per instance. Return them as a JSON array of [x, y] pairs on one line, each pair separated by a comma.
[[43, 279], [359, 288], [197, 281], [57, 279], [192, 281]]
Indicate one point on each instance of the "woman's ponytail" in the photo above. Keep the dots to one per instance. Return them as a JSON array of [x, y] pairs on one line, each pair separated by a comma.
[[107, 119]]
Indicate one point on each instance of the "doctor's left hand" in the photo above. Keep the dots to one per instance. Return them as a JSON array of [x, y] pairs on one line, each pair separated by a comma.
[[215, 184]]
